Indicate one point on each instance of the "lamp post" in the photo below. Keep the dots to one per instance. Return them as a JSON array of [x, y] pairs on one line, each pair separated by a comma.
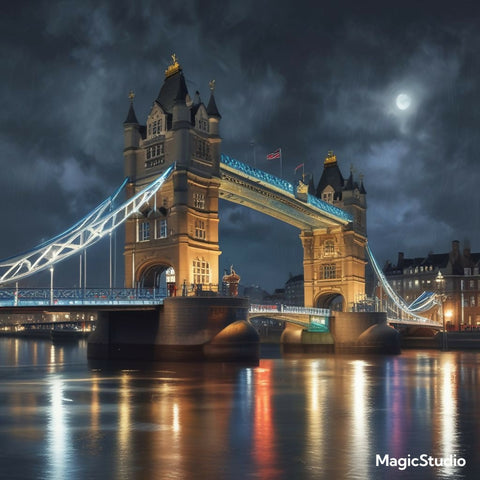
[[440, 281], [51, 285]]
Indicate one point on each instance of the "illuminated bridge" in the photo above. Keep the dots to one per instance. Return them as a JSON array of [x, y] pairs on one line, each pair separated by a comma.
[[240, 183], [175, 176]]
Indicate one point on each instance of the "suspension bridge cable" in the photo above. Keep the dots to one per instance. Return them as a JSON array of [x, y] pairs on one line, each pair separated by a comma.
[[396, 299], [100, 222]]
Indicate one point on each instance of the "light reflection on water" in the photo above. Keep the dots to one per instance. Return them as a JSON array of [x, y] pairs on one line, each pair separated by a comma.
[[289, 417]]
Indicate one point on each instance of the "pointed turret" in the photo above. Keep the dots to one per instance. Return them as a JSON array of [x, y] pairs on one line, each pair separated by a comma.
[[131, 117], [213, 113], [331, 177], [131, 133], [212, 109], [350, 185]]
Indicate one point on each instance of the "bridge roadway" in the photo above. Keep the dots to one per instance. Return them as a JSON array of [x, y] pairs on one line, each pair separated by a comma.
[[261, 191], [56, 300]]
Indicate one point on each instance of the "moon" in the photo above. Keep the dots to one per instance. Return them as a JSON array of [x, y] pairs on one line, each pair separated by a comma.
[[403, 101]]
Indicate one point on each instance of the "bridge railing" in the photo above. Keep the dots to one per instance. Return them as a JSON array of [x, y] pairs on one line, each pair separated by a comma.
[[72, 296], [321, 312]]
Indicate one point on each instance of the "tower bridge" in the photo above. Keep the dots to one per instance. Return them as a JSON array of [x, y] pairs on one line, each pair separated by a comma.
[[175, 175]]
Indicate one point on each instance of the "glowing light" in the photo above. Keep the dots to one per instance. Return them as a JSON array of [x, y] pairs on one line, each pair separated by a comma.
[[403, 101]]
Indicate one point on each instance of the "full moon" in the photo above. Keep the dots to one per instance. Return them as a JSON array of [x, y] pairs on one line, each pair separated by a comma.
[[403, 101]]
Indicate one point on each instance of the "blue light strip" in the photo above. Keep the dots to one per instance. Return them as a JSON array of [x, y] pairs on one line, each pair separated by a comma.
[[256, 173], [285, 186], [329, 208]]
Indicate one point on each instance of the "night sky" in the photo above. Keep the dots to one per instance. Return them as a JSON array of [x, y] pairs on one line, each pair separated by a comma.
[[299, 75]]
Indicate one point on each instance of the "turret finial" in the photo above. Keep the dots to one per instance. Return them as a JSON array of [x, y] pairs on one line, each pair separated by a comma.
[[211, 84], [174, 67], [331, 158], [131, 95]]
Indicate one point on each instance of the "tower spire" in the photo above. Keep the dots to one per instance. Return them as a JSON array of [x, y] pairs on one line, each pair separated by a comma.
[[131, 117]]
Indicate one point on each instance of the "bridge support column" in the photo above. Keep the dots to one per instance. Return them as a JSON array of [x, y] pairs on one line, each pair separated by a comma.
[[184, 328], [361, 332]]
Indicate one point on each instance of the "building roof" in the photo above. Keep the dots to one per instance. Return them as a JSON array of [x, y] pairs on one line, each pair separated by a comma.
[[174, 89], [332, 176], [294, 279], [131, 117]]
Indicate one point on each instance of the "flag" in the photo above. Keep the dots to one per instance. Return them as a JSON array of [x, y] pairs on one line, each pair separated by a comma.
[[274, 155], [299, 166]]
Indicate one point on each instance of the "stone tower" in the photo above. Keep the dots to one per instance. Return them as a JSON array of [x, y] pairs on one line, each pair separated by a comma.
[[335, 257], [173, 242]]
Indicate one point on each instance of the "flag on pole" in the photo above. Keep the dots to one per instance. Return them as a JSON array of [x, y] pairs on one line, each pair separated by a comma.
[[299, 166], [274, 155]]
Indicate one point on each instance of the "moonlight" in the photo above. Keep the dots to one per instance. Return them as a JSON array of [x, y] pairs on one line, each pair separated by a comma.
[[403, 101]]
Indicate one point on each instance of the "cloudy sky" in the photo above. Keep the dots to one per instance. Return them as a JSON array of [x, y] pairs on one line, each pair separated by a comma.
[[306, 76]]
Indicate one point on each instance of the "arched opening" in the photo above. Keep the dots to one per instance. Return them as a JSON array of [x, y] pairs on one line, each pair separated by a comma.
[[159, 278], [333, 301]]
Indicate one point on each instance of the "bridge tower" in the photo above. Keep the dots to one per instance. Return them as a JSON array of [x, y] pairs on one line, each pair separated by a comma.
[[335, 257], [173, 241]]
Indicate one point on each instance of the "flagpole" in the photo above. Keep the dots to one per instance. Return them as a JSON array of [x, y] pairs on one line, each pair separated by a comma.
[[281, 162]]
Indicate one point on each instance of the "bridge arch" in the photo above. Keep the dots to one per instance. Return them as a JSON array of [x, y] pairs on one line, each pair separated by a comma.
[[331, 300], [158, 275]]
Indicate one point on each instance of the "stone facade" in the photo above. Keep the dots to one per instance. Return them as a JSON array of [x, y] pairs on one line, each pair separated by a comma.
[[173, 242], [335, 257]]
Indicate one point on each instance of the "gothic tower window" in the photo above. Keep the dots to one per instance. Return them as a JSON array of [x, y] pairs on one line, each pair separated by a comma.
[[202, 124], [200, 230], [327, 194], [155, 123], [143, 231], [329, 248], [199, 200], [201, 271], [329, 271], [161, 228], [201, 149], [155, 155]]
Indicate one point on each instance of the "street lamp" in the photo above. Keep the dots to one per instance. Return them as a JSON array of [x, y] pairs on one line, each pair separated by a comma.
[[51, 285], [440, 281]]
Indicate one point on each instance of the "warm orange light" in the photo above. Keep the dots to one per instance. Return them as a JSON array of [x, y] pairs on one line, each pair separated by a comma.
[[449, 314]]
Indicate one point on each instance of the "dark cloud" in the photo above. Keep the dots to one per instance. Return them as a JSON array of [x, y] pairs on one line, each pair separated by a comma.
[[304, 76]]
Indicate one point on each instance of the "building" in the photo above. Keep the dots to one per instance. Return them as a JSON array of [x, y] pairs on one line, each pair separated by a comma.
[[410, 277], [172, 243], [294, 291], [334, 257]]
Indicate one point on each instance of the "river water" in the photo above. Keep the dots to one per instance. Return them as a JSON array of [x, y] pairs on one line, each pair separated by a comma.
[[290, 417]]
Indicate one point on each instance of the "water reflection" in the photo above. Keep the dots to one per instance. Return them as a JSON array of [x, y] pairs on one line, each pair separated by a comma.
[[301, 417], [360, 441], [123, 450], [264, 441], [58, 437], [449, 446]]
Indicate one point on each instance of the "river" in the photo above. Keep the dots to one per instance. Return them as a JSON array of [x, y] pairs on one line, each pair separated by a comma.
[[289, 417]]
